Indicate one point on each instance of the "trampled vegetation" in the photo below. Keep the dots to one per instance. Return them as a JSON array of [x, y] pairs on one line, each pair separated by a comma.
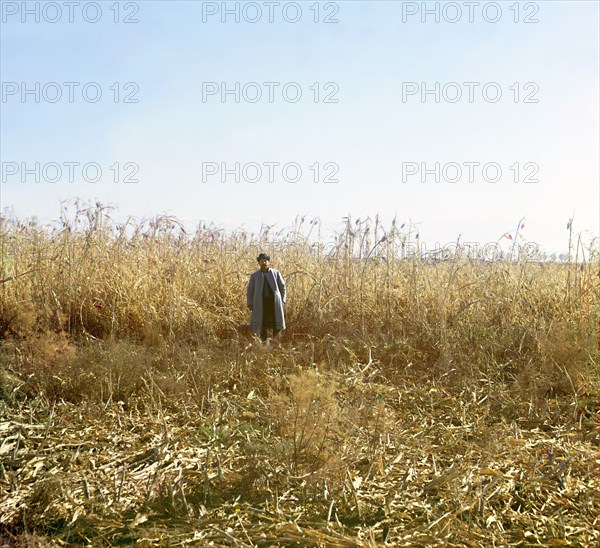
[[413, 402]]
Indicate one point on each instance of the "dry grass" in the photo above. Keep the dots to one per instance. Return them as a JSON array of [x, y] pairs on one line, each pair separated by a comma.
[[418, 402]]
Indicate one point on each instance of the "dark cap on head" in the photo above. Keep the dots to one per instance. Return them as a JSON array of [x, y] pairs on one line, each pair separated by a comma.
[[263, 256]]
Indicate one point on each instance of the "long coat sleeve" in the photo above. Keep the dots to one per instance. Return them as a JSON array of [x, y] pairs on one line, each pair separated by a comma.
[[254, 298]]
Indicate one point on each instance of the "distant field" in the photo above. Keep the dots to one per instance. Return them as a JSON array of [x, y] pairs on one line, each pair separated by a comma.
[[420, 403]]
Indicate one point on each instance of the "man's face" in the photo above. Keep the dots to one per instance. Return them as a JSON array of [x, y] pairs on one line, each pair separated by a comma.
[[264, 264]]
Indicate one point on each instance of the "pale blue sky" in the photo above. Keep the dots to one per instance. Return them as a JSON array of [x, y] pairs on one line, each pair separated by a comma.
[[369, 133]]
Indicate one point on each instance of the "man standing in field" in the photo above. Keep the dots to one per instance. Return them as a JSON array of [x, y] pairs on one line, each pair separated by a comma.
[[265, 299]]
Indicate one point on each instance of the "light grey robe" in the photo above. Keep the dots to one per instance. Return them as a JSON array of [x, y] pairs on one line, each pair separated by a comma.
[[254, 298]]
